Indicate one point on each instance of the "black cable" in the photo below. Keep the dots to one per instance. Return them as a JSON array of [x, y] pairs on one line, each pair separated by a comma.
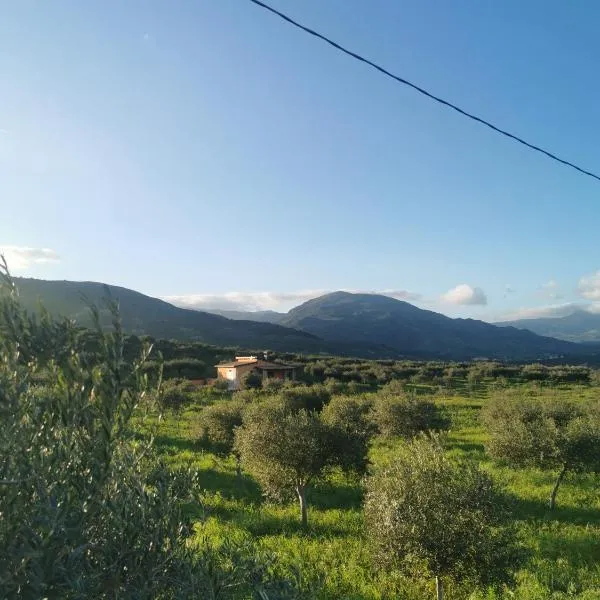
[[423, 91]]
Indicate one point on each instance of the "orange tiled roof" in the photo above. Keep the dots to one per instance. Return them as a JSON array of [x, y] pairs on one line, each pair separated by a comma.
[[261, 364]]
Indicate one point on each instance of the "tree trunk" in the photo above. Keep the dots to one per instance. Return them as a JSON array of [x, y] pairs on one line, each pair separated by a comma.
[[552, 502], [301, 491], [439, 588], [238, 466]]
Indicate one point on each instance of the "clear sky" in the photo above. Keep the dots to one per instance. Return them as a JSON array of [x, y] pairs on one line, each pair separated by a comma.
[[201, 148]]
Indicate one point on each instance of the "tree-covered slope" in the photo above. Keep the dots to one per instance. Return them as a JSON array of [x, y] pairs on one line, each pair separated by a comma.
[[342, 316], [365, 325], [143, 315]]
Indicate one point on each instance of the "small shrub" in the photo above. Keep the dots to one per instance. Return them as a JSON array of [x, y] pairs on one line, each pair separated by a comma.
[[174, 395], [407, 415], [218, 424], [219, 385], [311, 398], [252, 381], [272, 386], [428, 514]]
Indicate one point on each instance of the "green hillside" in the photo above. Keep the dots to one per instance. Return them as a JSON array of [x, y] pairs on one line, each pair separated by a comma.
[[143, 315], [363, 325], [342, 316]]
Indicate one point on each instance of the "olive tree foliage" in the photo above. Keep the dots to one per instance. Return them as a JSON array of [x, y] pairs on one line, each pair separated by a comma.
[[173, 394], [301, 397], [546, 433], [87, 511], [352, 428], [427, 514], [252, 381], [406, 415], [273, 385], [218, 423], [219, 385], [286, 451]]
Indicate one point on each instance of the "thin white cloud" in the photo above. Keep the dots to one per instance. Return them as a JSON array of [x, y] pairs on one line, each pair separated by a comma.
[[280, 301], [245, 301], [19, 258], [550, 311], [146, 37], [2, 130], [465, 295], [399, 295], [589, 286]]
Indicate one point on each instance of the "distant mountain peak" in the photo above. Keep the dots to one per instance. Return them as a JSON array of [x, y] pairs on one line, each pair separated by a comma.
[[144, 315], [412, 331], [359, 324], [580, 325]]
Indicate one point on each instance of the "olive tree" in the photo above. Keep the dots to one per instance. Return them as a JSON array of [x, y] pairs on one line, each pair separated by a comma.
[[252, 381], [352, 429], [406, 415], [427, 514], [286, 450], [174, 395], [302, 397], [545, 433], [218, 423], [84, 512], [87, 509]]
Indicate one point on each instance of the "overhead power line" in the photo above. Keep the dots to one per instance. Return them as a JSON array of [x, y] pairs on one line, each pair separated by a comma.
[[423, 91]]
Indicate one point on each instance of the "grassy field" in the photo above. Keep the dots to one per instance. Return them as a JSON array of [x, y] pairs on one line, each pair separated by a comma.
[[331, 559]]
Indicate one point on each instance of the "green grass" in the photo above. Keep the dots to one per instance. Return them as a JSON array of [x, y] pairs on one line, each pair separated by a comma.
[[331, 559]]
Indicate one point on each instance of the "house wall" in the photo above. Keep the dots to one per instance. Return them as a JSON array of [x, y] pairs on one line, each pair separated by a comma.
[[234, 375], [226, 373], [243, 370]]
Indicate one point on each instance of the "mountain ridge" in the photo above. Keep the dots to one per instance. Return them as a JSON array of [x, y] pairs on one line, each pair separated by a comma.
[[406, 328], [260, 316], [144, 315], [365, 325], [578, 326]]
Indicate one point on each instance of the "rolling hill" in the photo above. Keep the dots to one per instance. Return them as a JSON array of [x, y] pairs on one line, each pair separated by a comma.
[[580, 326], [342, 316], [362, 325], [143, 315]]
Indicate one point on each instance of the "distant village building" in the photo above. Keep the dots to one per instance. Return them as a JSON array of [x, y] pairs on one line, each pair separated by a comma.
[[234, 372]]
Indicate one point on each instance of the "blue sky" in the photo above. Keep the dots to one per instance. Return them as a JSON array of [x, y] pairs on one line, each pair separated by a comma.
[[208, 151]]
